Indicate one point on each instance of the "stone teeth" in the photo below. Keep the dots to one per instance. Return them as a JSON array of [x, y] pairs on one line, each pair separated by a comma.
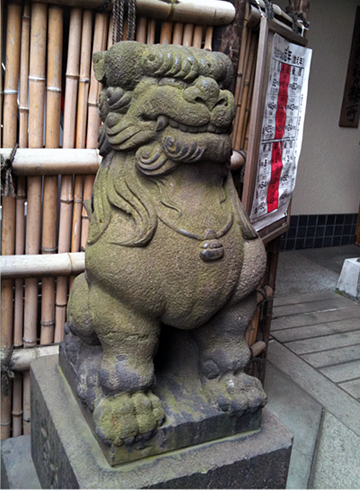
[[183, 128], [173, 123], [162, 122], [192, 129], [211, 128]]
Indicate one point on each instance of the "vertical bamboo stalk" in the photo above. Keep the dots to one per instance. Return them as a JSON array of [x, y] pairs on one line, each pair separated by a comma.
[[141, 30], [52, 139], [26, 403], [21, 184], [209, 38], [245, 36], [12, 58], [67, 192], [151, 31], [245, 91], [33, 225], [85, 65], [245, 130], [166, 32], [178, 33], [93, 124], [198, 34], [188, 35], [17, 410], [109, 40]]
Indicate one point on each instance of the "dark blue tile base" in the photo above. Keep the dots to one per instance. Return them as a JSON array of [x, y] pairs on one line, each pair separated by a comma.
[[319, 230]]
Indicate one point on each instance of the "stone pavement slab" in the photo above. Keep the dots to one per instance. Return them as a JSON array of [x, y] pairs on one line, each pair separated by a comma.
[[337, 462], [302, 415], [17, 467]]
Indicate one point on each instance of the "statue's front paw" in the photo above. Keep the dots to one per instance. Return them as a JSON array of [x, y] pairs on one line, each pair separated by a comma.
[[124, 419], [237, 394]]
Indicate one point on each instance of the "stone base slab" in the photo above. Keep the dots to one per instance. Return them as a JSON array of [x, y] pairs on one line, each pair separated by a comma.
[[66, 454]]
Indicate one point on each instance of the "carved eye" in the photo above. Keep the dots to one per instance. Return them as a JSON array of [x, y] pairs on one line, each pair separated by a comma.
[[117, 99]]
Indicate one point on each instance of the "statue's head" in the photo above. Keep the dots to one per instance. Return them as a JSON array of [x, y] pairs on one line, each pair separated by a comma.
[[168, 104]]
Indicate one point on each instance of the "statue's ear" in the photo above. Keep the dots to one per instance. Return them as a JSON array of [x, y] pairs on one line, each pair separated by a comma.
[[99, 66]]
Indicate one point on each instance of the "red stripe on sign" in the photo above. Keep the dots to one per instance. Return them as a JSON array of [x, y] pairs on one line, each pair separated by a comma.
[[276, 155]]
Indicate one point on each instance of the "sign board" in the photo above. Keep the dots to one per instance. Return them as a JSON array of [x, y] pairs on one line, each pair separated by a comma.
[[277, 122]]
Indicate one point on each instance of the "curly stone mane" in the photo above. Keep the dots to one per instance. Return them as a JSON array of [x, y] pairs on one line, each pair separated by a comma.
[[144, 132]]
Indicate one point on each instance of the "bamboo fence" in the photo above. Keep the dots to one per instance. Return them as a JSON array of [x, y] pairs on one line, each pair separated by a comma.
[[56, 223]]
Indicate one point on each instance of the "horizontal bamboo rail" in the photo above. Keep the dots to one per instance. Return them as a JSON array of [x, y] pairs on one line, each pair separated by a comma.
[[15, 266], [54, 161], [58, 161], [205, 12], [21, 358]]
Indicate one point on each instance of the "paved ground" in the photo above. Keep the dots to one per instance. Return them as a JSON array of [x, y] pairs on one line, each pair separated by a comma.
[[313, 377]]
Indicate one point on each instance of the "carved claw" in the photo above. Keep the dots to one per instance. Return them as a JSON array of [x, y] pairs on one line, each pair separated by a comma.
[[125, 418]]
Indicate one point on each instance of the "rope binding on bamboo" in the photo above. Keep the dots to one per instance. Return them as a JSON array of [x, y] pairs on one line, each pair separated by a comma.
[[118, 20], [7, 173], [297, 16]]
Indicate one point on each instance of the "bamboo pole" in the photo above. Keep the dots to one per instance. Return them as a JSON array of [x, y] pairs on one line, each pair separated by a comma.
[[150, 39], [188, 35], [67, 193], [93, 124], [245, 91], [22, 358], [21, 183], [109, 40], [245, 35], [206, 12], [198, 35], [33, 224], [63, 264], [246, 128], [178, 33], [209, 38], [141, 30], [166, 32], [85, 64], [17, 410], [54, 161], [52, 139], [12, 57]]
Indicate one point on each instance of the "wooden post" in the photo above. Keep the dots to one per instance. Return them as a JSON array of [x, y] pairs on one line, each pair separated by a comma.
[[52, 138], [67, 195], [13, 35]]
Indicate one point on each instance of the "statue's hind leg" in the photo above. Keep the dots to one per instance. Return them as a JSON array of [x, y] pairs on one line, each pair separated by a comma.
[[129, 410], [224, 355]]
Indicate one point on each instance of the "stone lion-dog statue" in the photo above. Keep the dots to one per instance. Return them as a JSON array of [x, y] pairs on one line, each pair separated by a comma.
[[169, 242]]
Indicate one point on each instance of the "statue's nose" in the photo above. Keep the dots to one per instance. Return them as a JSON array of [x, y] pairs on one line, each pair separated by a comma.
[[205, 90]]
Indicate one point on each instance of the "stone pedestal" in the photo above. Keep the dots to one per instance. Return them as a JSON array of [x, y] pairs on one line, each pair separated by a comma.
[[66, 454]]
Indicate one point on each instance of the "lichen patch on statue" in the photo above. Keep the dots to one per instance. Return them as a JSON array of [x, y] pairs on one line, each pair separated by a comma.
[[169, 242]]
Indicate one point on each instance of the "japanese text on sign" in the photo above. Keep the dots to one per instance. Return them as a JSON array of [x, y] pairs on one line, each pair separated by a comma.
[[282, 131]]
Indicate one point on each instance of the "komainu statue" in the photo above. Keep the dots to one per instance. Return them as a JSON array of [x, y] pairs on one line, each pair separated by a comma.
[[169, 242]]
